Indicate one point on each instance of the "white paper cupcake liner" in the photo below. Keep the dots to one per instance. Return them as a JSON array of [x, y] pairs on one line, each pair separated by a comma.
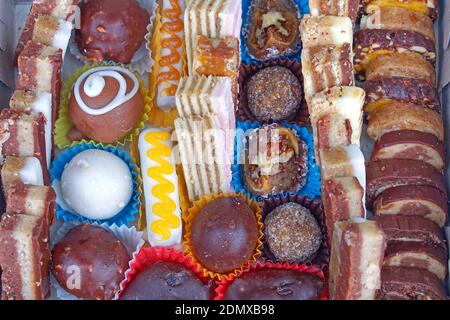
[[141, 61], [129, 236]]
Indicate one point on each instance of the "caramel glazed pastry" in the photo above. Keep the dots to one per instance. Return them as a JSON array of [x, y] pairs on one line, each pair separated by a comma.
[[275, 161], [273, 29]]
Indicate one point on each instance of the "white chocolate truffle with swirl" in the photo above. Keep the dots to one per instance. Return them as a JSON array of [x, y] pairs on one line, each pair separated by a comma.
[[106, 104]]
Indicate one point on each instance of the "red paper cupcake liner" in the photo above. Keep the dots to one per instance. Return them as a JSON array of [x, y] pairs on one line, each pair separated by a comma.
[[322, 258], [246, 71], [222, 286], [150, 255]]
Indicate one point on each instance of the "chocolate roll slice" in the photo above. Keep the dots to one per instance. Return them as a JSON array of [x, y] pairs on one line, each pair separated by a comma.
[[410, 284], [414, 200], [385, 174], [411, 229], [428, 7], [396, 116], [410, 144], [415, 91], [417, 255]]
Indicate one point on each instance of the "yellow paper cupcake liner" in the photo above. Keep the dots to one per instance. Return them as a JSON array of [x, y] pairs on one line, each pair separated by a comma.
[[64, 124], [182, 190], [157, 116], [191, 213]]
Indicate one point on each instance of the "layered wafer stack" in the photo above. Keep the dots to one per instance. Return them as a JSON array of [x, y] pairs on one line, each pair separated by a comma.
[[395, 56], [26, 147]]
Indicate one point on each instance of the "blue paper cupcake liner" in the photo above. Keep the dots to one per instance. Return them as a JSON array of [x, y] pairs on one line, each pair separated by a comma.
[[125, 216], [312, 187], [246, 57]]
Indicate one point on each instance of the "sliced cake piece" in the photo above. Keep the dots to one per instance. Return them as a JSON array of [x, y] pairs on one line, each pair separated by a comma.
[[40, 70], [342, 8], [414, 200], [343, 199], [215, 19], [401, 283], [326, 31], [27, 170], [52, 32], [24, 258], [429, 7], [417, 255], [36, 102], [23, 135], [356, 259]]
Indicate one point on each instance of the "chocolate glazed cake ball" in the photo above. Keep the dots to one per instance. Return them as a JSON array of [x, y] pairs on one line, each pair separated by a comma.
[[275, 284], [292, 233], [106, 104], [166, 281], [89, 262], [224, 234], [274, 93], [111, 29]]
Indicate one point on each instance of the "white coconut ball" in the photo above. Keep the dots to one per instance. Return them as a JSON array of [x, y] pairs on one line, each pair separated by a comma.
[[96, 184]]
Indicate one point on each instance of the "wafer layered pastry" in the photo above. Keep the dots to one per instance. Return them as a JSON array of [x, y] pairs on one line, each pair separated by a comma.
[[356, 259], [326, 31], [336, 117], [410, 144], [400, 228], [400, 283], [428, 7], [23, 135], [60, 9], [385, 174], [52, 32], [36, 102], [40, 70], [343, 199], [417, 255], [24, 258], [214, 19], [204, 155], [37, 201], [341, 8], [325, 67], [27, 170], [396, 116], [171, 52], [412, 199]]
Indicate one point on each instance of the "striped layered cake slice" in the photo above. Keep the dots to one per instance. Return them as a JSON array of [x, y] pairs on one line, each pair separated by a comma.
[[52, 31], [203, 154], [26, 170], [214, 19], [24, 258], [326, 31]]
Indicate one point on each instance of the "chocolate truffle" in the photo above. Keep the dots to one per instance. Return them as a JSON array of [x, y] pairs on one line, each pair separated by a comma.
[[165, 280], [111, 29], [274, 93], [292, 233], [280, 163], [89, 262], [224, 234], [275, 284], [96, 184], [106, 104]]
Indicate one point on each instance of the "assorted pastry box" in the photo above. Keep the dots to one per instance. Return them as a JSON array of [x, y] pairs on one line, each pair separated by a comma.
[[223, 149]]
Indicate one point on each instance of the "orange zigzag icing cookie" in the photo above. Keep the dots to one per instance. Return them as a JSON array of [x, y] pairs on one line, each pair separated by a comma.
[[160, 188]]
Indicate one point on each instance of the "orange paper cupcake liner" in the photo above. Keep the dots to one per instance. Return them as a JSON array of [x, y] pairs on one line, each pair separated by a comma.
[[192, 212], [222, 286], [157, 116], [150, 255]]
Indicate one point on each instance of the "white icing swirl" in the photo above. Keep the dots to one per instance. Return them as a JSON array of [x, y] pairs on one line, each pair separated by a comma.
[[95, 84]]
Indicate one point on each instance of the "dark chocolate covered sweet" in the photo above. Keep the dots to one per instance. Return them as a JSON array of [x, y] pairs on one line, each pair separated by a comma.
[[224, 234], [89, 262], [276, 161], [274, 93], [111, 29], [275, 284], [292, 233], [166, 280]]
